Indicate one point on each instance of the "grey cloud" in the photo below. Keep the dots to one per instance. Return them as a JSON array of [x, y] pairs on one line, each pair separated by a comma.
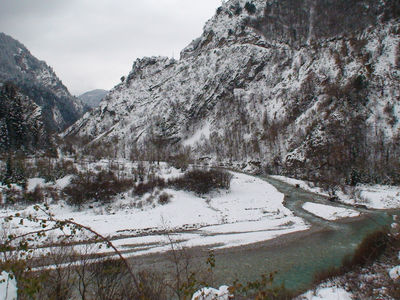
[[92, 43], [21, 9]]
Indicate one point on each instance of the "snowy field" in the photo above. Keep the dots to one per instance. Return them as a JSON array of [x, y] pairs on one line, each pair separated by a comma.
[[328, 212], [372, 196], [250, 211]]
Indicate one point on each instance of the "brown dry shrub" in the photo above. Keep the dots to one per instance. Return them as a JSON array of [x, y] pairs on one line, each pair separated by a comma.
[[371, 248], [101, 187], [164, 198], [202, 182], [36, 196], [147, 187], [368, 251]]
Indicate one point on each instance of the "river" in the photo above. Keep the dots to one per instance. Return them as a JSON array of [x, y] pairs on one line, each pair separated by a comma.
[[296, 256]]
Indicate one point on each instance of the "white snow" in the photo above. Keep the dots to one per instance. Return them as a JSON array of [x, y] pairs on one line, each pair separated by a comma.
[[328, 212], [203, 133], [251, 211], [305, 185], [8, 287], [372, 196], [380, 196], [63, 182], [394, 273], [212, 294], [327, 293], [35, 182]]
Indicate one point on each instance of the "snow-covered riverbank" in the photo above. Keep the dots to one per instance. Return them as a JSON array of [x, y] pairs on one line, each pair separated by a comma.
[[328, 212], [250, 211], [371, 196]]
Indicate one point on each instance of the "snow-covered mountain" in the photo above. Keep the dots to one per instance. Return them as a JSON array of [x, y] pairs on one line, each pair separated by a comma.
[[92, 98], [303, 87], [36, 80]]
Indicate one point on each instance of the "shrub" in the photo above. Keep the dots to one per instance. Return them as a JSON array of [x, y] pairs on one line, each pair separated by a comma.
[[202, 182], [14, 171], [147, 187], [237, 10], [50, 171], [109, 277], [64, 168], [327, 274], [90, 186], [250, 7], [164, 198], [264, 288], [12, 195], [371, 248], [36, 196], [180, 161]]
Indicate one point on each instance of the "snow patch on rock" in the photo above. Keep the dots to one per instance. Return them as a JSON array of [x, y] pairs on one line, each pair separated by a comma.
[[213, 294], [394, 273]]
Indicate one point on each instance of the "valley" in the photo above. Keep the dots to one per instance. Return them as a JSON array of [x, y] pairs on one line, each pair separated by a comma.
[[266, 154], [259, 225]]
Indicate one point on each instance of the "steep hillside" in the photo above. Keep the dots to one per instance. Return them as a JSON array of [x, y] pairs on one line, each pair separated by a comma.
[[307, 88], [36, 80], [92, 98], [21, 122]]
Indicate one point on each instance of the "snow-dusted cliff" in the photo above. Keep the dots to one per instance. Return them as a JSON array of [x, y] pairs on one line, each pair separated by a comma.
[[38, 81], [301, 87]]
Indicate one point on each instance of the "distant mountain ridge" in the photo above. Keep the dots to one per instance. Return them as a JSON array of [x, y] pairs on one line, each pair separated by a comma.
[[36, 80], [305, 88], [92, 98]]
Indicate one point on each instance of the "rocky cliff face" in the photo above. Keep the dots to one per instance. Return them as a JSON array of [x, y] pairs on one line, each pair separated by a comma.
[[37, 81], [308, 88]]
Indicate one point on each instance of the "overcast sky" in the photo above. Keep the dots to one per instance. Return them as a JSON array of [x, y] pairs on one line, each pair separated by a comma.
[[92, 43]]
